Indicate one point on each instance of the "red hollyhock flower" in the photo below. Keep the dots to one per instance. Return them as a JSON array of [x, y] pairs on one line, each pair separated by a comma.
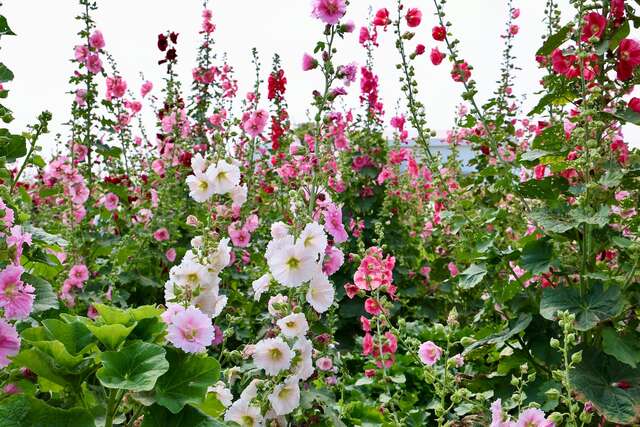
[[163, 43], [461, 72], [634, 104], [414, 17], [436, 56], [594, 25], [628, 58], [382, 18], [420, 49], [439, 33]]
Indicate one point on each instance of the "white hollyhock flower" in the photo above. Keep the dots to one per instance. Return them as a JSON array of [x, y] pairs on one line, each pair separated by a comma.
[[244, 414], [274, 302], [223, 394], [273, 355], [260, 286], [224, 177], [221, 257], [188, 279], [293, 265], [293, 325], [201, 187], [276, 245], [211, 303], [285, 397], [279, 230], [314, 238], [239, 195], [198, 163], [321, 293], [251, 391], [304, 368]]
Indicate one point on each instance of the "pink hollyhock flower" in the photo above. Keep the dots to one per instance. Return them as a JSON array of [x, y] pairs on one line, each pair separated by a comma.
[[116, 87], [533, 417], [333, 223], [9, 342], [191, 330], [111, 201], [161, 234], [16, 298], [158, 167], [429, 353], [94, 64], [308, 62], [146, 88], [628, 58], [92, 313], [349, 26], [413, 17], [11, 388], [324, 364], [239, 237], [80, 97], [17, 239], [381, 19], [461, 72], [252, 223], [458, 359], [255, 122], [79, 273], [515, 14], [333, 260], [436, 56], [439, 33], [218, 335], [329, 11], [594, 26], [453, 269], [351, 290], [170, 254], [497, 415], [81, 53], [96, 40], [367, 344], [372, 306]]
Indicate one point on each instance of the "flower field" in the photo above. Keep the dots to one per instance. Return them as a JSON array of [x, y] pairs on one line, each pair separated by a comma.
[[229, 267]]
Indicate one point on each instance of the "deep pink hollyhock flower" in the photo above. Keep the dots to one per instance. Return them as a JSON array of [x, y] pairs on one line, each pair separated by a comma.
[[429, 353], [191, 330], [161, 234], [94, 64], [453, 269], [92, 313], [461, 72], [436, 56], [111, 201], [81, 53], [16, 298], [96, 40], [628, 58], [146, 88], [79, 273], [372, 306], [329, 11], [381, 19], [351, 290], [333, 260], [365, 324], [333, 223], [11, 388], [514, 29], [634, 104], [9, 342], [17, 239], [158, 167], [541, 171], [308, 62], [420, 48], [617, 9], [219, 335], [413, 17], [515, 14], [594, 25], [170, 254], [439, 33], [349, 27], [369, 373], [116, 87], [367, 344], [364, 35]]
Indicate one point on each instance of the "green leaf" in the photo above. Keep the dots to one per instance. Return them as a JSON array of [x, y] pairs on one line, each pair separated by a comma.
[[74, 335], [622, 33], [12, 147], [554, 41], [113, 315], [536, 256], [189, 417], [6, 75], [186, 381], [211, 406], [596, 306], [136, 367], [551, 222], [59, 353], [625, 348], [42, 365], [39, 235], [46, 298], [472, 276], [628, 116], [111, 335], [552, 138], [532, 155], [4, 27], [600, 218], [511, 331], [23, 411], [597, 379]]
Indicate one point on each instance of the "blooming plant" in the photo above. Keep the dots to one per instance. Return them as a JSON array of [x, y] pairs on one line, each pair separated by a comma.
[[230, 267]]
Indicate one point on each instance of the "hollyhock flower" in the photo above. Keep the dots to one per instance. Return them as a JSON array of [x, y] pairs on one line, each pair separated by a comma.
[[367, 344], [170, 254], [285, 397], [11, 388], [514, 29], [533, 417], [439, 33], [453, 269], [255, 122], [324, 364], [628, 58], [146, 88], [617, 9], [515, 14], [273, 355], [461, 72], [381, 19], [365, 324], [372, 306], [201, 186], [79, 272], [222, 393], [293, 265], [634, 104], [594, 26], [158, 167], [161, 234], [308, 62], [458, 360], [111, 201], [221, 257], [304, 368], [171, 311], [94, 64], [293, 325], [436, 56], [313, 238], [329, 11], [80, 97], [497, 415], [321, 293], [333, 223], [413, 17], [240, 237], [541, 171], [81, 52], [210, 302], [260, 286], [333, 260], [18, 239], [190, 330], [420, 49], [429, 353], [239, 195], [244, 414], [96, 40], [16, 298], [9, 343], [224, 177]]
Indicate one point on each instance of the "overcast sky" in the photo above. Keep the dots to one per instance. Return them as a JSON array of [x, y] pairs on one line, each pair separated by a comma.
[[46, 29]]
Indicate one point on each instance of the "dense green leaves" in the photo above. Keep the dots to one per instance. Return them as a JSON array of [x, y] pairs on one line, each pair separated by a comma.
[[554, 41], [472, 276], [189, 417], [624, 347], [135, 367], [23, 411], [511, 331], [537, 256]]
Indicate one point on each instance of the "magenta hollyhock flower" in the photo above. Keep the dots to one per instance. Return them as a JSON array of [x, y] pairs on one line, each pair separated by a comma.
[[594, 26], [333, 260], [170, 254], [533, 417], [333, 223], [628, 58], [94, 64], [146, 88], [16, 297], [9, 342], [79, 272], [111, 201], [413, 17], [308, 62], [191, 330], [436, 56], [17, 239], [161, 234], [329, 11], [96, 40], [429, 353]]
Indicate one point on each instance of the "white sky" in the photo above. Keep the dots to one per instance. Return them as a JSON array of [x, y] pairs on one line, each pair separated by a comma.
[[39, 55]]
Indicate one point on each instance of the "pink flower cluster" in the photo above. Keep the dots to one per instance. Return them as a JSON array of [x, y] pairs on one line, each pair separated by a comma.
[[78, 275], [16, 297], [189, 328], [60, 170], [89, 55]]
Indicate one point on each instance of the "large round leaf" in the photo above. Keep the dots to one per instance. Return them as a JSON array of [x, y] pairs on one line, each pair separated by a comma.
[[21, 410], [597, 305], [136, 367]]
